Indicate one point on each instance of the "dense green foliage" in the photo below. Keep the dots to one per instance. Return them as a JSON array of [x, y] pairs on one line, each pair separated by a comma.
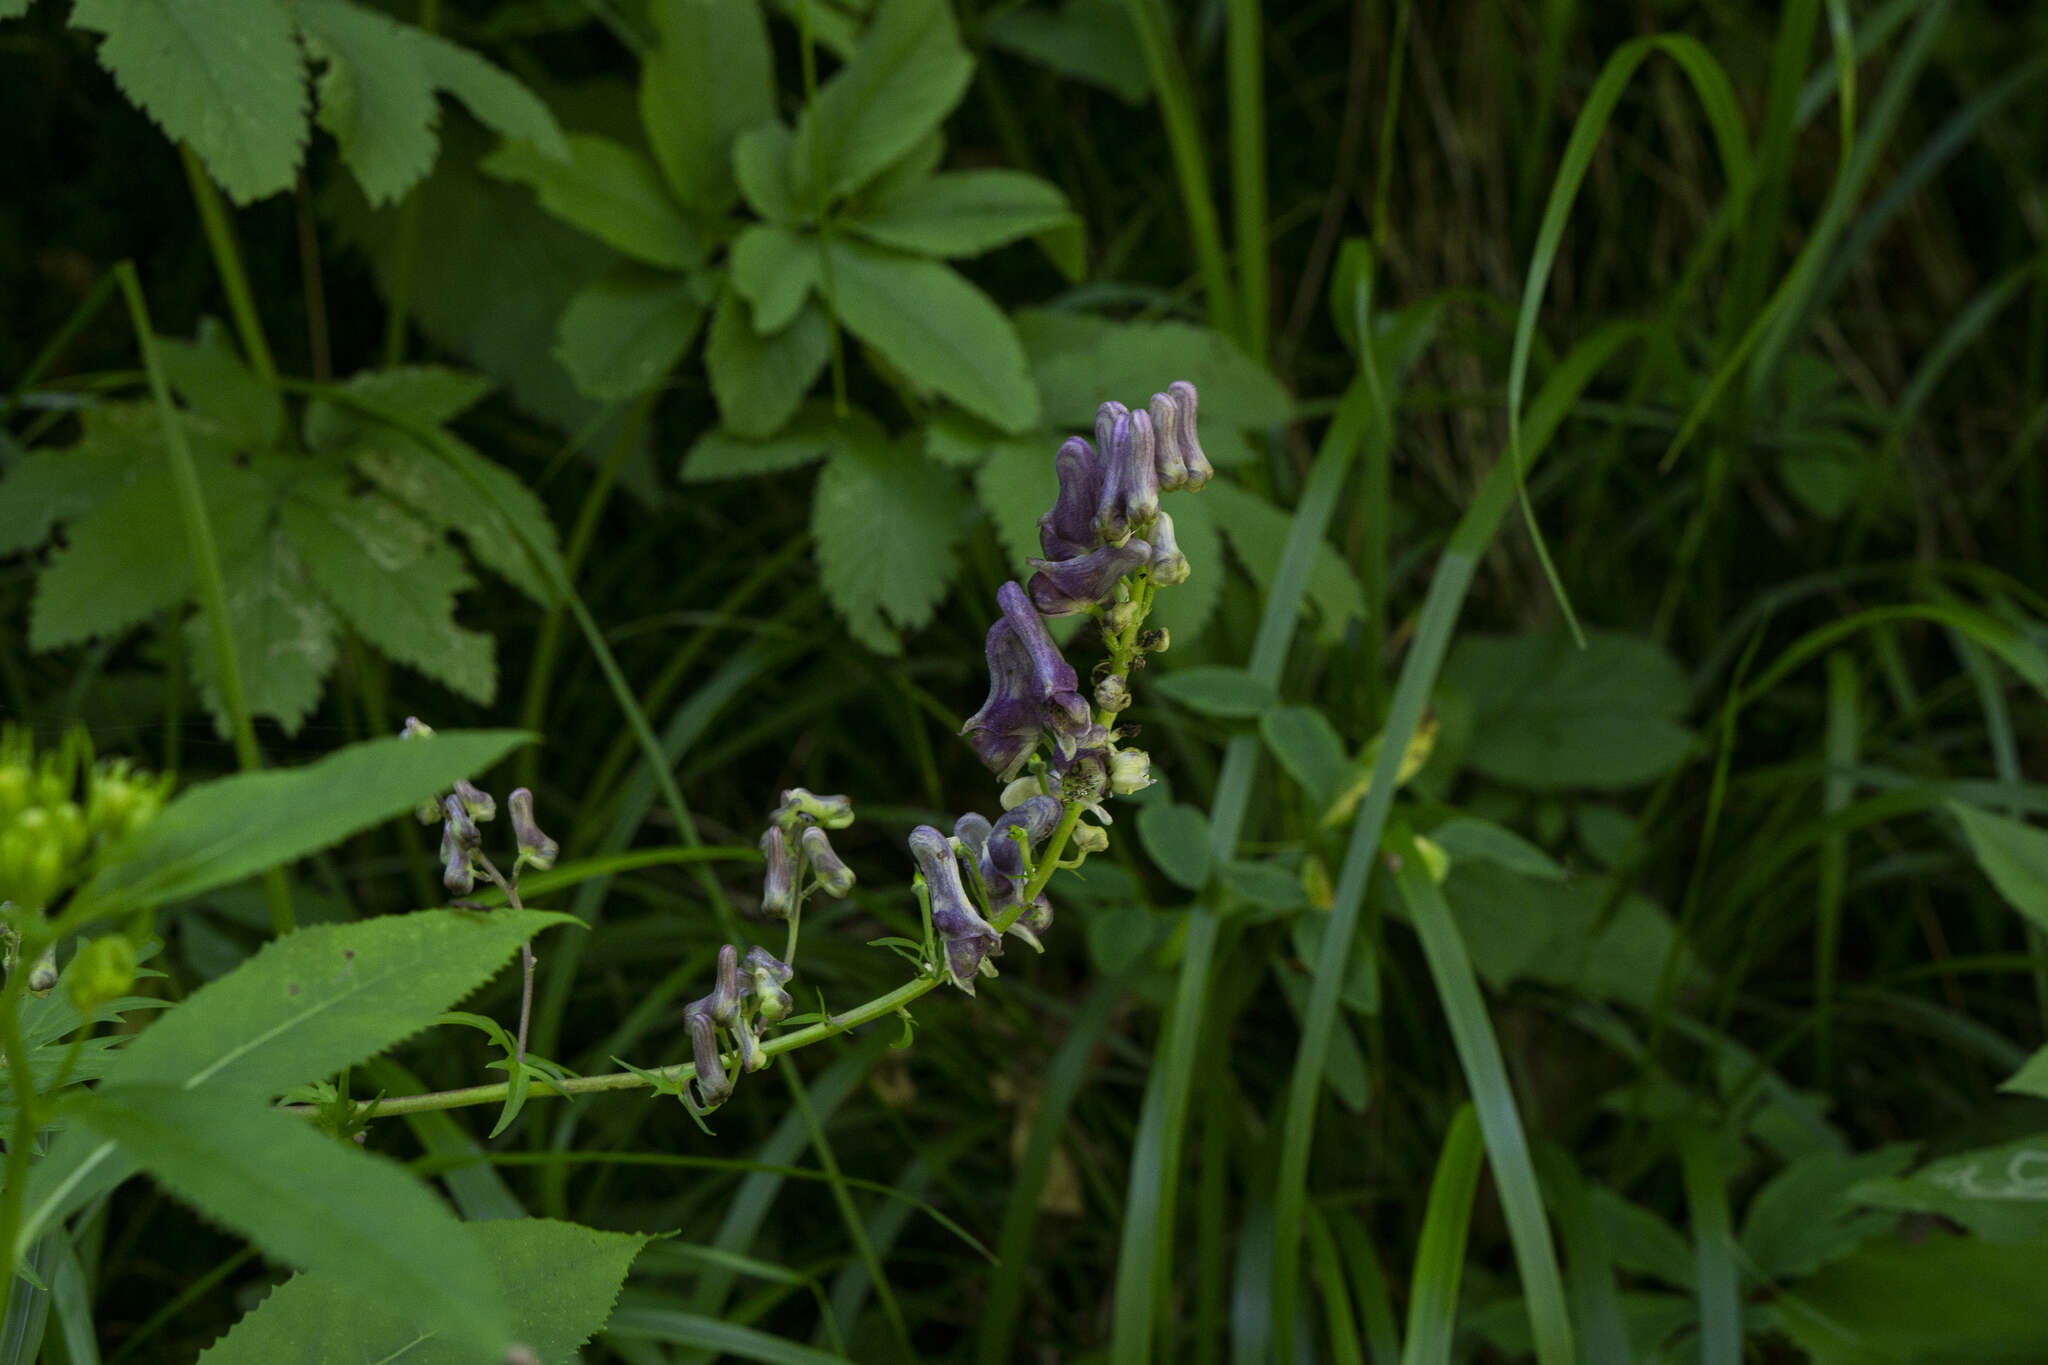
[[1593, 904]]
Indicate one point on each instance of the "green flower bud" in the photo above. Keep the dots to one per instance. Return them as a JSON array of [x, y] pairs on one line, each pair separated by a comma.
[[1090, 838], [1154, 641], [104, 970], [833, 812], [535, 848], [73, 834], [43, 976], [14, 784], [1113, 694], [835, 878], [1020, 791], [31, 860], [1130, 770], [480, 804]]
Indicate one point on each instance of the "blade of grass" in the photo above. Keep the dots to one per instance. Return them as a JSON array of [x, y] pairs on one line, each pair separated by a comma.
[[227, 261], [1843, 747], [1507, 1147], [1717, 99], [1438, 617], [1345, 1340], [1244, 64], [1719, 1287], [1369, 1282], [1440, 1250], [1063, 1078], [1589, 1263]]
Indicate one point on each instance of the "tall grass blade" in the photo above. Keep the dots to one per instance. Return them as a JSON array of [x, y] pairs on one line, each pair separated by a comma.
[[1719, 1286], [1440, 1250]]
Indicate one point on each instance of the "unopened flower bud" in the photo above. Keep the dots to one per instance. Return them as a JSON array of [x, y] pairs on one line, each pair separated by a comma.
[[104, 970], [769, 974], [1178, 451], [535, 848], [835, 878], [458, 866], [778, 888], [415, 728], [1020, 791], [833, 812], [1111, 522], [751, 1057], [1154, 641], [1169, 565], [723, 1004], [1141, 479], [480, 804], [1435, 860], [713, 1085], [42, 978], [1090, 838], [1113, 694], [1130, 770], [1117, 618]]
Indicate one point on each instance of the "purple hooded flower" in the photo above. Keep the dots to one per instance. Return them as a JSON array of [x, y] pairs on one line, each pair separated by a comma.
[[1068, 587], [778, 888], [769, 974], [1002, 862], [1031, 688], [535, 848], [1111, 522], [712, 1083], [1032, 925], [1065, 530], [1141, 473], [1178, 451], [966, 937], [1169, 565]]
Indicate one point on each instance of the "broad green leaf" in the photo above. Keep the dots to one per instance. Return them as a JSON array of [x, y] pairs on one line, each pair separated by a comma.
[[559, 1278], [1942, 1300], [2014, 856], [1266, 885], [284, 636], [1257, 532], [1015, 483], [758, 381], [721, 1338], [431, 395], [393, 579], [225, 76], [2031, 1078], [940, 331], [303, 1006], [128, 557], [1176, 838], [885, 584], [1998, 1193], [234, 827], [211, 380], [1522, 928], [1079, 359], [611, 192], [441, 486], [1089, 40], [308, 1201], [1803, 1217], [1119, 936], [904, 78], [963, 213], [1466, 836], [498, 101], [1547, 715], [374, 95], [775, 270], [815, 433], [623, 333], [1308, 747], [760, 167], [1217, 690], [710, 75], [47, 486]]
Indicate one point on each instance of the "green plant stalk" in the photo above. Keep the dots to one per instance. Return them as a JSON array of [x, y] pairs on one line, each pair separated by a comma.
[[1190, 164], [808, 49], [15, 1048], [879, 1007], [406, 250], [227, 260], [206, 566], [1244, 56]]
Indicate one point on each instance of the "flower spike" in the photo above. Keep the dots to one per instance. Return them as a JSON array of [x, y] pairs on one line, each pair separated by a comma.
[[966, 938]]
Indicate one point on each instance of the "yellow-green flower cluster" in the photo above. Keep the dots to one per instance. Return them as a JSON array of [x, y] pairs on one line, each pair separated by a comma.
[[59, 808]]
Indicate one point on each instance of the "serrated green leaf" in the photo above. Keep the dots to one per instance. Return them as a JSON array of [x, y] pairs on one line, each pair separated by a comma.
[[1257, 531], [609, 191], [622, 334], [123, 562], [710, 75], [498, 101], [941, 332], [1217, 690], [222, 831], [758, 381], [760, 167], [45, 487], [431, 395], [816, 433], [903, 79], [2013, 855], [442, 490], [1525, 928], [1995, 1192], [1078, 360], [775, 270], [1547, 715], [1176, 838], [303, 1006], [2031, 1078], [308, 1201], [211, 380], [393, 579], [284, 636], [1089, 40], [888, 583], [1803, 1217], [1015, 482], [561, 1280], [225, 76], [1308, 747], [374, 96], [963, 213], [1941, 1300]]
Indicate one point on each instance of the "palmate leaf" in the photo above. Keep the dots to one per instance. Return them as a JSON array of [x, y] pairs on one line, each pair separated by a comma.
[[710, 76], [1257, 532], [210, 379], [883, 583], [623, 333], [304, 1006], [560, 1279], [226, 77], [815, 433], [308, 1201], [775, 270], [758, 381], [903, 79], [284, 635], [963, 213], [608, 190], [941, 332], [431, 395], [440, 486], [393, 579]]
